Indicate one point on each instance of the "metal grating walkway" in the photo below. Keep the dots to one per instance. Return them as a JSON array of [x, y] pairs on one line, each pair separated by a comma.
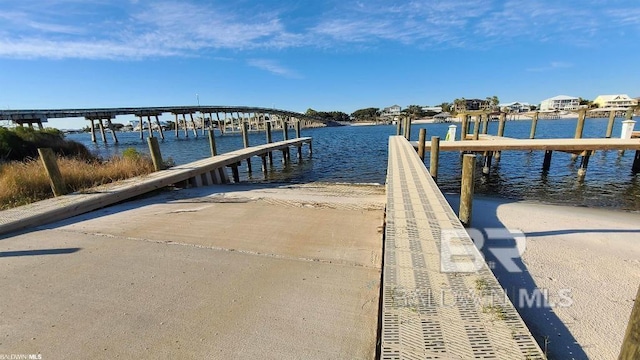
[[434, 310]]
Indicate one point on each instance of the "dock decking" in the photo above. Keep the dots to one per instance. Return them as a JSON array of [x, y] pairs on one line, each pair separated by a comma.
[[430, 310], [201, 172]]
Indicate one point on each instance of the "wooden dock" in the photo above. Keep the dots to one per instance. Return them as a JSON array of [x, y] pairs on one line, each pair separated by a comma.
[[438, 302], [198, 173], [495, 143]]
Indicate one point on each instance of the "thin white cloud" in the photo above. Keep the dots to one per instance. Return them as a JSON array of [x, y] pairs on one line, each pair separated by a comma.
[[273, 67], [132, 29]]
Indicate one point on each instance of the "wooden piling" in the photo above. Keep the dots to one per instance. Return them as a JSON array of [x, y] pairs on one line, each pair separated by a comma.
[[245, 141], [631, 344], [501, 123], [465, 127], [269, 140], [264, 165], [156, 156], [398, 127], [212, 142], [584, 163], [50, 163], [546, 164], [635, 168], [485, 123], [534, 125], [150, 127], [235, 172], [285, 129], [466, 189], [434, 160], [407, 128], [298, 129], [476, 128], [220, 126], [93, 130], [159, 128], [582, 114], [422, 136], [612, 119]]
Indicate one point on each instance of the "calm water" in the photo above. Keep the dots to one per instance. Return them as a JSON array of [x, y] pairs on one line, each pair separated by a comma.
[[358, 154]]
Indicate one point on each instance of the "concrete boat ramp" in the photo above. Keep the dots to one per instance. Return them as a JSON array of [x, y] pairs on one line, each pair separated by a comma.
[[220, 272], [313, 271]]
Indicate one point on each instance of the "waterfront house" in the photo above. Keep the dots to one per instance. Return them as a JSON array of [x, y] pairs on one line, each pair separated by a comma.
[[560, 102], [391, 111], [615, 101], [515, 107], [472, 105]]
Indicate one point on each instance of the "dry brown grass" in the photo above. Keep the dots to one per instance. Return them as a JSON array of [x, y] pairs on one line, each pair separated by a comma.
[[25, 182]]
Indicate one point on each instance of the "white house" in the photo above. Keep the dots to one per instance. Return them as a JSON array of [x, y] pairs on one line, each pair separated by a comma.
[[392, 111], [516, 107], [560, 102], [435, 109], [615, 101]]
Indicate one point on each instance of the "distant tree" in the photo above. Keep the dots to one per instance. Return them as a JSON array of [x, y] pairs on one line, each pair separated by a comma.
[[366, 114], [533, 107], [584, 101], [460, 104], [494, 102], [446, 107], [415, 111], [328, 115]]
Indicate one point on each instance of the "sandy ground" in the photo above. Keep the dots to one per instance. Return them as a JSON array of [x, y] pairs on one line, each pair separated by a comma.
[[586, 262]]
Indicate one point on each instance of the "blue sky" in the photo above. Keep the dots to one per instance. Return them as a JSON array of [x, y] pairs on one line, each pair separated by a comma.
[[328, 55]]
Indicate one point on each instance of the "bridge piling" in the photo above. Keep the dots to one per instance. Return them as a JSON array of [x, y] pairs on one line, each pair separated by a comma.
[[184, 122], [159, 128], [102, 132], [93, 130], [193, 125]]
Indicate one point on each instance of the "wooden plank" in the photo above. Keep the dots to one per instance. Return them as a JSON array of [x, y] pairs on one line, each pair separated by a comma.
[[66, 206], [578, 145]]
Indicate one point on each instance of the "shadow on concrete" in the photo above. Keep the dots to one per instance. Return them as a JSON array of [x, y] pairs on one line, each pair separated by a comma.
[[549, 331], [38, 252]]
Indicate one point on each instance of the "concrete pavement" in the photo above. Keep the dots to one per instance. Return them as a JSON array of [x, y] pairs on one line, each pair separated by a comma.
[[217, 273]]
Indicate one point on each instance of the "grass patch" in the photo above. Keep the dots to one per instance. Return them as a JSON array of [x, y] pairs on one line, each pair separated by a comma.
[[26, 182]]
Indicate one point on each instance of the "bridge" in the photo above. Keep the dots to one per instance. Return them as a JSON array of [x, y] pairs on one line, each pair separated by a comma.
[[227, 118]]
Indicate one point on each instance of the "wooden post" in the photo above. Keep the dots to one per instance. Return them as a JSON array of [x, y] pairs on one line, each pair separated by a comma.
[[422, 136], [93, 130], [212, 142], [435, 157], [298, 130], [159, 128], [236, 173], [264, 165], [285, 130], [534, 124], [582, 114], [579, 129], [546, 164], [50, 163], [156, 156], [269, 140], [501, 124], [113, 131], [193, 124], [612, 119], [485, 123], [466, 189], [476, 128], [584, 163], [103, 134], [285, 156], [398, 127], [635, 168], [245, 141], [407, 128], [465, 127], [220, 126], [631, 344], [177, 123]]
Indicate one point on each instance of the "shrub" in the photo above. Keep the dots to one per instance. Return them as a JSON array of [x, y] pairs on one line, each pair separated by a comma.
[[22, 143]]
